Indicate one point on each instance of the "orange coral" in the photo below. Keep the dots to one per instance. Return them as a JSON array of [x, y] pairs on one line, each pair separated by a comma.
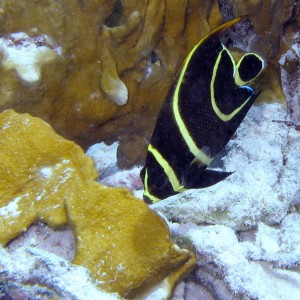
[[126, 246]]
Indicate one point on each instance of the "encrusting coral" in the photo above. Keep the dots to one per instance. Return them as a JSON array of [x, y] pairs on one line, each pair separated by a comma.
[[113, 62], [126, 246], [36, 172]]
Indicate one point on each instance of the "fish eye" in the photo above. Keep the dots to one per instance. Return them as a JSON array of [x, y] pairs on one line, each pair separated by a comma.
[[250, 66]]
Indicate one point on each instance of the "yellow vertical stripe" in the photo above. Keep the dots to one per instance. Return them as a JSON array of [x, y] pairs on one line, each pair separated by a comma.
[[176, 185], [194, 149], [146, 189]]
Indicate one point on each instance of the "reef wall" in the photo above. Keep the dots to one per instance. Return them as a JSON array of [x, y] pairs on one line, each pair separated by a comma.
[[99, 70]]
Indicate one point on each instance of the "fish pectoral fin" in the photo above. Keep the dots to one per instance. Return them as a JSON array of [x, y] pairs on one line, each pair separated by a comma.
[[205, 179], [203, 158]]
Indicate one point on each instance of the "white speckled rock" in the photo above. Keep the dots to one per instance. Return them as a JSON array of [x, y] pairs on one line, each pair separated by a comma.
[[51, 277], [25, 54], [233, 265]]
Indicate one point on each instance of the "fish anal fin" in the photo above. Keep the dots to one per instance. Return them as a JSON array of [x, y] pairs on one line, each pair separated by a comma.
[[205, 179]]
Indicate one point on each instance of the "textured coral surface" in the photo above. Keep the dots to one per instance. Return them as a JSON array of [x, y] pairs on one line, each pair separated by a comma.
[[47, 178], [99, 70], [124, 244], [37, 170]]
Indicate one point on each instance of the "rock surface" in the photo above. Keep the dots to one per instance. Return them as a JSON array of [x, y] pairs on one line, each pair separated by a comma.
[[33, 273], [234, 266]]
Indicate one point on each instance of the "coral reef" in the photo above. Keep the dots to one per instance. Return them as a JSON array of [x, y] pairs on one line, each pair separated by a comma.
[[264, 185], [265, 36], [99, 71], [47, 178], [268, 19], [109, 64], [27, 55]]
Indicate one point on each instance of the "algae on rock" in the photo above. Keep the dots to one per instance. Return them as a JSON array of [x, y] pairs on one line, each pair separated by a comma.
[[126, 246]]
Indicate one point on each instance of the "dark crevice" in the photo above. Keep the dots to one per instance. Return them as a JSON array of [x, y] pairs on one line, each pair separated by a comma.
[[116, 17], [154, 58]]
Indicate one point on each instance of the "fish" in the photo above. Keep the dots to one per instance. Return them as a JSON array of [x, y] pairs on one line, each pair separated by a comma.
[[208, 101]]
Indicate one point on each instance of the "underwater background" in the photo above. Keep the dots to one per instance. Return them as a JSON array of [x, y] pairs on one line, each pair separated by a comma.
[[82, 84]]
